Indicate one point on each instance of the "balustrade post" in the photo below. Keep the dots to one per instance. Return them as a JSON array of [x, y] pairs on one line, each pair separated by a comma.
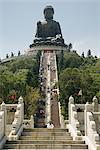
[[71, 101], [3, 108], [95, 104], [32, 121], [88, 108], [20, 101]]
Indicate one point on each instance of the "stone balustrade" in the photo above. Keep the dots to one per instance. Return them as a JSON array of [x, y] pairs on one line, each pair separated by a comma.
[[96, 113], [17, 125], [80, 116], [10, 112], [91, 119], [29, 123], [61, 117], [73, 121], [2, 124], [2, 132], [91, 136]]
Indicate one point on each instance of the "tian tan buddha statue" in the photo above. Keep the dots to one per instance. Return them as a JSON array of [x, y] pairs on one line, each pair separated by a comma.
[[48, 30]]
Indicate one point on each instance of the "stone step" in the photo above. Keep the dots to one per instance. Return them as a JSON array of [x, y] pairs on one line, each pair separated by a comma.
[[46, 138], [45, 130], [45, 142], [46, 133], [45, 149], [46, 146]]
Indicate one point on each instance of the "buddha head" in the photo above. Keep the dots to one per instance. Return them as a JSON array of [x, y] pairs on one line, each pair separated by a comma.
[[48, 12]]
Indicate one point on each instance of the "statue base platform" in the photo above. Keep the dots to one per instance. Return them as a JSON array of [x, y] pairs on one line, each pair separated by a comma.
[[45, 47]]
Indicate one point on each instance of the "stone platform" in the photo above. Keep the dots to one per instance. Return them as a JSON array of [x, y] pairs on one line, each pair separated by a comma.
[[45, 47]]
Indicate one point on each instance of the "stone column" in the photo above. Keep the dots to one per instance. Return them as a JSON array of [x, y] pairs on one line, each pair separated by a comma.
[[96, 109], [71, 101], [3, 108], [88, 108], [32, 121], [20, 101], [95, 104]]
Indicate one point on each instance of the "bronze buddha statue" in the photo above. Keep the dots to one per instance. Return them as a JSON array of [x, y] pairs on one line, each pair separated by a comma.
[[48, 30]]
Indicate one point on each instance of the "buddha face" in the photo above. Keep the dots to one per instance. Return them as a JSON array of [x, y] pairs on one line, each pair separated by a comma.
[[48, 14]]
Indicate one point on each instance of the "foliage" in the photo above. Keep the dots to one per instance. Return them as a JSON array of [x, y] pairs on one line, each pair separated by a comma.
[[89, 53], [18, 77], [31, 98], [69, 60], [78, 73]]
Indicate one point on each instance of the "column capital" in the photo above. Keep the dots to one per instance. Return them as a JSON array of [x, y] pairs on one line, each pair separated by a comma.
[[20, 100], [95, 100], [3, 106], [71, 100]]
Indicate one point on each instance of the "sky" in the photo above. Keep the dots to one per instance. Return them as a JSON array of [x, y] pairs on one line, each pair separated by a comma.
[[79, 21]]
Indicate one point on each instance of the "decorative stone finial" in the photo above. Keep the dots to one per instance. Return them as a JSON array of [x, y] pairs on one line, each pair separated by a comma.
[[71, 100], [95, 100], [3, 106], [95, 104], [20, 100]]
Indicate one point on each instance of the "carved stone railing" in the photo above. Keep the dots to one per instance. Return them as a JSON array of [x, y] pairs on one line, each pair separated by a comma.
[[61, 117], [73, 121], [17, 125], [96, 116], [96, 113], [91, 136], [29, 123], [10, 111], [80, 116], [2, 124]]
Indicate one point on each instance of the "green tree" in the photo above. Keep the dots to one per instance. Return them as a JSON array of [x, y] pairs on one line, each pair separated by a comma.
[[89, 53], [70, 46], [72, 60], [6, 83], [69, 83], [61, 60], [31, 98], [19, 77], [83, 55], [20, 82], [86, 86]]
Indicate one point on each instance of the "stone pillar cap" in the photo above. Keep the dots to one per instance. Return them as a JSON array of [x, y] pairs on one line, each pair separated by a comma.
[[71, 99]]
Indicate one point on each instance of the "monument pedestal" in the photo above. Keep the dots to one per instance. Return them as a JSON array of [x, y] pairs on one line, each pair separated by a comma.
[[46, 48]]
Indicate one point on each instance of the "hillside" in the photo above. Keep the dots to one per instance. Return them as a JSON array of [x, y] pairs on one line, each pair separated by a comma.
[[19, 77], [79, 76]]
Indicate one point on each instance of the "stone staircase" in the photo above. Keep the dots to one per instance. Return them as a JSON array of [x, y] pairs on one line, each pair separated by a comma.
[[43, 138]]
